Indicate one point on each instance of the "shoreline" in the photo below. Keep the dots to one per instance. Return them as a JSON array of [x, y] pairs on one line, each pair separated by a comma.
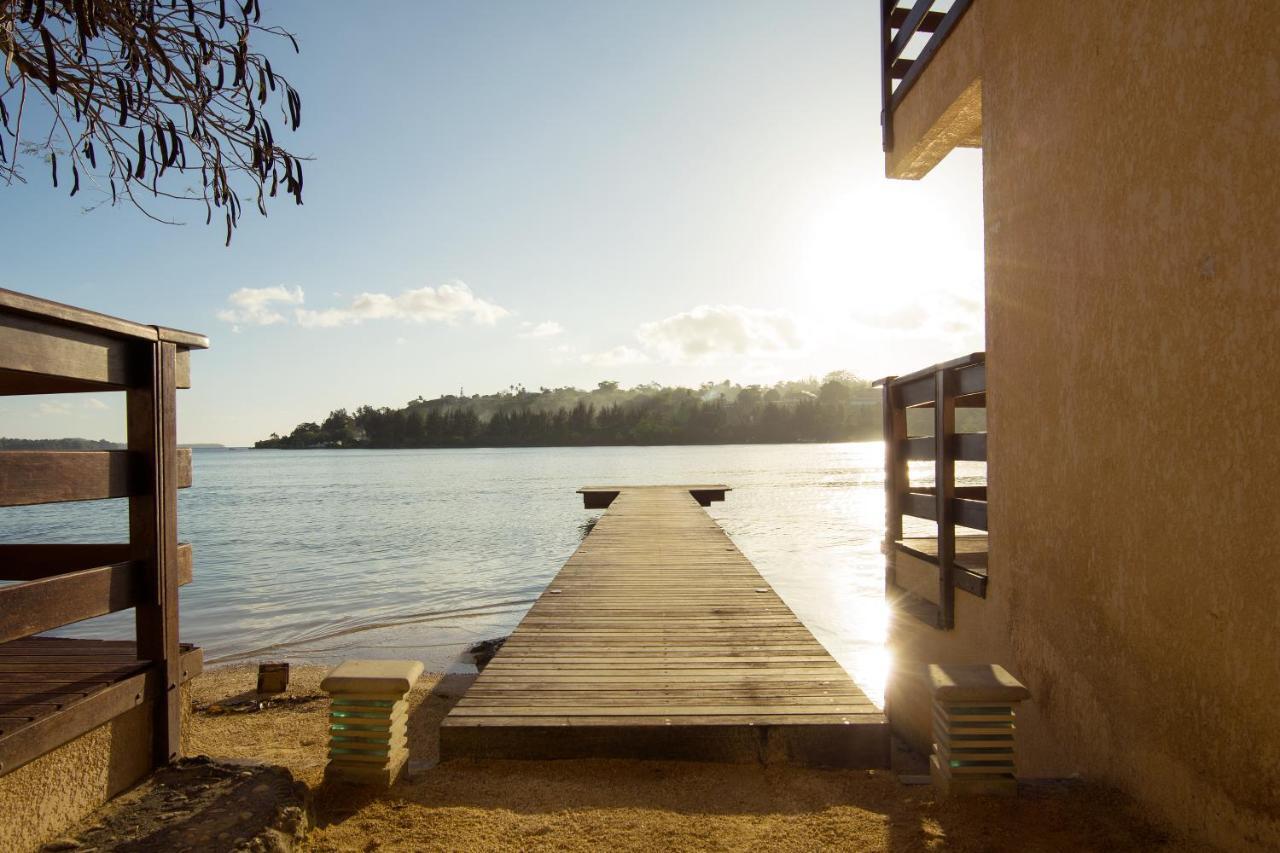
[[565, 446]]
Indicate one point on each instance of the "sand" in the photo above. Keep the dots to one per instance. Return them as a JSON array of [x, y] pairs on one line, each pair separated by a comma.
[[621, 805]]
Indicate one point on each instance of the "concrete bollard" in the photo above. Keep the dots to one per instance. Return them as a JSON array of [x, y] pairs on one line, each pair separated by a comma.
[[973, 731], [368, 720]]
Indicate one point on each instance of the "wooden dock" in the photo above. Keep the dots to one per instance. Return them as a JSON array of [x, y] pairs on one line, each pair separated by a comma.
[[52, 689], [659, 639]]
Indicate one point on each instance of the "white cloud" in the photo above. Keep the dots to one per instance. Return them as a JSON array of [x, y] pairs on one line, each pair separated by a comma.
[[547, 329], [448, 303], [709, 333], [254, 305], [616, 357], [943, 315], [53, 408], [902, 317], [94, 404], [564, 354]]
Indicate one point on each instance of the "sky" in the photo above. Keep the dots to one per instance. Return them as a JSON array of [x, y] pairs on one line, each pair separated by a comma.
[[542, 194]]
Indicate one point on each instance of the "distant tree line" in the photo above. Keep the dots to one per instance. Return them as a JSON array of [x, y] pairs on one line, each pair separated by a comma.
[[840, 407], [58, 444], [80, 444]]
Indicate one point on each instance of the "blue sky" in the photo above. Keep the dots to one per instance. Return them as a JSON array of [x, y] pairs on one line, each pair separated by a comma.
[[537, 193]]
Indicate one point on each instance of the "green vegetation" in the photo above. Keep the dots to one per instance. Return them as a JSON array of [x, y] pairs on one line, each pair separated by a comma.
[[81, 444], [57, 444], [840, 407]]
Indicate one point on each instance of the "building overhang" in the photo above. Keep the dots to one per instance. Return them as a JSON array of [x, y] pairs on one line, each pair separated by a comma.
[[931, 83]]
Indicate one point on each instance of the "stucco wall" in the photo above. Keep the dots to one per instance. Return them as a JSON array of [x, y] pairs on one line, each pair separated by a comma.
[[41, 799], [1131, 171]]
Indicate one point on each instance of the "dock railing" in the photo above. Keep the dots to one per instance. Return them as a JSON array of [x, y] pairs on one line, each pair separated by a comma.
[[49, 348], [899, 26], [959, 383]]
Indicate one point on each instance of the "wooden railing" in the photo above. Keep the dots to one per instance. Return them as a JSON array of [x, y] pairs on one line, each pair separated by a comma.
[[898, 26], [48, 348], [960, 383]]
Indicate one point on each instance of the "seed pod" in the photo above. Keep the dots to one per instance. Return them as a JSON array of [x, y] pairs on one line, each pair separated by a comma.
[[82, 26], [50, 58], [158, 136], [53, 164]]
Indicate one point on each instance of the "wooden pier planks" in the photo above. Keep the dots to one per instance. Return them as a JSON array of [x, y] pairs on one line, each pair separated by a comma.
[[659, 639]]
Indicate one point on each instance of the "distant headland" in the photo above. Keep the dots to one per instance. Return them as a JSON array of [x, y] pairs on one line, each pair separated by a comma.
[[838, 407]]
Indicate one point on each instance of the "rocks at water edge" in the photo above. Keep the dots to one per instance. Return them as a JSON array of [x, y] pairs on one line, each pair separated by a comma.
[[483, 651]]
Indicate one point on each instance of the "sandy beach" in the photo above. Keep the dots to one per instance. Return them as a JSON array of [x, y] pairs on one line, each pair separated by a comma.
[[592, 805]]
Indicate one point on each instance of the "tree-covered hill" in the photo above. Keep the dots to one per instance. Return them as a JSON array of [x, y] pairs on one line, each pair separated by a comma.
[[839, 407]]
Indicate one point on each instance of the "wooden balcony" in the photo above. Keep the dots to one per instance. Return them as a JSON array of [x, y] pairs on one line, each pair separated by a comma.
[[960, 558], [54, 690], [931, 95], [900, 27]]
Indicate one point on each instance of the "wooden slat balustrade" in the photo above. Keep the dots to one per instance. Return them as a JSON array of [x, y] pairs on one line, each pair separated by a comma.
[[53, 690], [32, 562], [961, 561], [41, 477]]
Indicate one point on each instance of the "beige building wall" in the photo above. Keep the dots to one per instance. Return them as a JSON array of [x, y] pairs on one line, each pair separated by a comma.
[[42, 799], [1131, 156]]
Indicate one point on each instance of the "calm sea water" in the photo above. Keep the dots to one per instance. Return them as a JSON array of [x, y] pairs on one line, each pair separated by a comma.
[[315, 556]]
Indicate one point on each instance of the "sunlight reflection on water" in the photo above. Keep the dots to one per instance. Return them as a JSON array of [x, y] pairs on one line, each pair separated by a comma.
[[320, 555]]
